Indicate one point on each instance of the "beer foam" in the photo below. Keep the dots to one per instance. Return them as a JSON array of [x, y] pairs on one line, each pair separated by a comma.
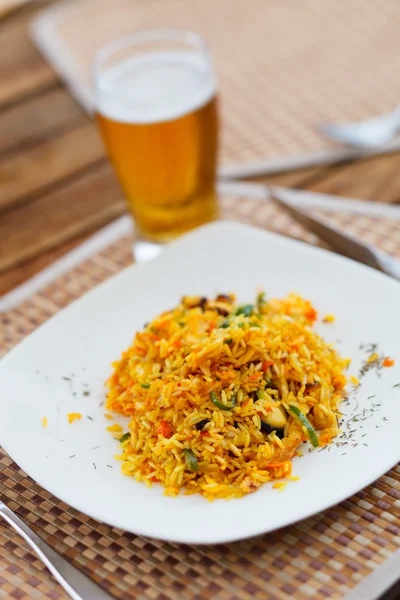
[[154, 87]]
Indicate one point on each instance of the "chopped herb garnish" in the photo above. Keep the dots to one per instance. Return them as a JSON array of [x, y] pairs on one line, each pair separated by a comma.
[[260, 301], [246, 310], [191, 460], [270, 385], [95, 447], [72, 456], [109, 466], [145, 385], [94, 464], [86, 393], [228, 341], [254, 325], [241, 325], [90, 418], [66, 378], [224, 324], [218, 404], [304, 422], [124, 437]]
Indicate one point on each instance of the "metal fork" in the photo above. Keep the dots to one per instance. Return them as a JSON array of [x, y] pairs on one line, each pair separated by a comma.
[[75, 583]]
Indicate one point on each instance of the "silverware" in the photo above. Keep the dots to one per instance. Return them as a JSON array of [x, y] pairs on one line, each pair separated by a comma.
[[75, 583], [294, 202], [329, 156], [369, 133], [345, 243]]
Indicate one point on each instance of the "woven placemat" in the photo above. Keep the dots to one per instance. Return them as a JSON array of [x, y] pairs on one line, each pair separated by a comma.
[[324, 556], [283, 67]]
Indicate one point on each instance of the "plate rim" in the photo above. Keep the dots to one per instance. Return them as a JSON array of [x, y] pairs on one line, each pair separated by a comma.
[[252, 530]]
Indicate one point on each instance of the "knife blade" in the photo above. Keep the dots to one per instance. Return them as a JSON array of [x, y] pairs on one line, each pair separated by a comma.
[[344, 242]]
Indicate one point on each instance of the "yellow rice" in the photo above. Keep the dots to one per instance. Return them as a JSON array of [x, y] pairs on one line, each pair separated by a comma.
[[268, 356]]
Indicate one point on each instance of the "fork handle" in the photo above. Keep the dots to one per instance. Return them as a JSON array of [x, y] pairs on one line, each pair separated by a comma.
[[75, 583]]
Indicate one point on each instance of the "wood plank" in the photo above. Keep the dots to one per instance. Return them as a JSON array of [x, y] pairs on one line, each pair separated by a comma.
[[10, 278], [84, 205], [9, 6], [32, 122], [32, 171], [23, 70], [34, 235], [376, 179]]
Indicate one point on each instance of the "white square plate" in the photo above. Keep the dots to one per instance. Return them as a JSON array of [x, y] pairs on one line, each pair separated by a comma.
[[61, 369]]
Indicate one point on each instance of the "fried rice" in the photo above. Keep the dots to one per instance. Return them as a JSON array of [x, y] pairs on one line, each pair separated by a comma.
[[220, 396]]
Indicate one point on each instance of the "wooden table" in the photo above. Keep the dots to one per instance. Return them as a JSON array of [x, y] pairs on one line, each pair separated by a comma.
[[56, 185]]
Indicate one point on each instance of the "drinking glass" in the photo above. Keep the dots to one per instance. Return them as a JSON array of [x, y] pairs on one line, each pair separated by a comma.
[[156, 107]]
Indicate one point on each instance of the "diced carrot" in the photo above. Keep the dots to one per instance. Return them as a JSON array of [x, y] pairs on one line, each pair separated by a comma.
[[266, 364], [325, 438], [388, 362], [164, 429], [254, 376], [311, 314]]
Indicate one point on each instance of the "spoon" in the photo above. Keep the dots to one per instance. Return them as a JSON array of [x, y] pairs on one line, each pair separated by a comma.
[[370, 133]]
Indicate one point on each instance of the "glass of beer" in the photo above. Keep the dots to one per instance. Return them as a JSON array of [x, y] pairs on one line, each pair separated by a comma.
[[156, 107]]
